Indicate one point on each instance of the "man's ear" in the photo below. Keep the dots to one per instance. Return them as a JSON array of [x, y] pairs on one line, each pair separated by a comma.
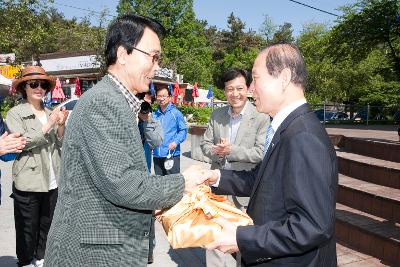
[[121, 55], [286, 77]]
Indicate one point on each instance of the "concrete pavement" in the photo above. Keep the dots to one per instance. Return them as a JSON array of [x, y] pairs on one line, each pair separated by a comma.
[[164, 256]]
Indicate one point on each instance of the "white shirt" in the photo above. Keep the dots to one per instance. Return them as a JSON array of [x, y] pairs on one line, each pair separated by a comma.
[[284, 113], [52, 175], [276, 122], [234, 124]]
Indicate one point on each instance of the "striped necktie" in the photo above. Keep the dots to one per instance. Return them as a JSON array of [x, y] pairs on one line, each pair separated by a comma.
[[268, 138]]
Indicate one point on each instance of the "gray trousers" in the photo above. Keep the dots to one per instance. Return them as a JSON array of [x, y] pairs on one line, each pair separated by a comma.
[[217, 258]]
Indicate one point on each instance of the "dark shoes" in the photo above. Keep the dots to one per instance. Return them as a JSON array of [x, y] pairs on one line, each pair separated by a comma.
[[150, 259]]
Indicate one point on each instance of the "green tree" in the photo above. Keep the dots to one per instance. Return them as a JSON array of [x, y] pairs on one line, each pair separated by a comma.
[[30, 28], [124, 6], [185, 47], [368, 25], [284, 34], [268, 28]]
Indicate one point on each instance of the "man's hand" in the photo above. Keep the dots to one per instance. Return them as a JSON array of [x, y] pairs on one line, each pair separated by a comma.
[[226, 242], [13, 143], [222, 149], [172, 146], [196, 175]]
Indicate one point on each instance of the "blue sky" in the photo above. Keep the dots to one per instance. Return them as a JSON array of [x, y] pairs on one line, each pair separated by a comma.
[[216, 11]]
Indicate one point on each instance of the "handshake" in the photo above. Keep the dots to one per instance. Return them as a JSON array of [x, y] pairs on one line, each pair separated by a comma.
[[196, 175]]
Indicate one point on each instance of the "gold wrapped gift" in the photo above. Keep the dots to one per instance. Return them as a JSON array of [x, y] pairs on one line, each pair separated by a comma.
[[187, 225]]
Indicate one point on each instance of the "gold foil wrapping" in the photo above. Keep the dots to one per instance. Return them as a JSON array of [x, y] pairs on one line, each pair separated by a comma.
[[187, 225]]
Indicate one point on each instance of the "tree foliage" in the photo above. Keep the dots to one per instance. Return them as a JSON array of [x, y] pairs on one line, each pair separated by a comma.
[[356, 61], [31, 27]]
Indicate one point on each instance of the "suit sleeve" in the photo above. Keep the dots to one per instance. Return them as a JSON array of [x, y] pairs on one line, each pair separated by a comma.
[[255, 153], [208, 140], [236, 183], [153, 133], [310, 180], [114, 157]]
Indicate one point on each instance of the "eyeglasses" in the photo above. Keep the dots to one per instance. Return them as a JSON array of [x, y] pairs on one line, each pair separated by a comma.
[[156, 57], [162, 96], [35, 84]]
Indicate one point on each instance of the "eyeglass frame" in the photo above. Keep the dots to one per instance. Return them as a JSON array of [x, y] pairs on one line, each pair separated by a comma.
[[155, 58]]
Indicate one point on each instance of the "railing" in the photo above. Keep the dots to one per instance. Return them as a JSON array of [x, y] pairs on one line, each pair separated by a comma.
[[346, 113], [364, 114]]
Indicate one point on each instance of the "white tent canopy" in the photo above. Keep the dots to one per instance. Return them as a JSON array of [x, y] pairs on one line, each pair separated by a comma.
[[5, 81]]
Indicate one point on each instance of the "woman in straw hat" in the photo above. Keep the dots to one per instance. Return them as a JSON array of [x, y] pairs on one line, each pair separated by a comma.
[[36, 168]]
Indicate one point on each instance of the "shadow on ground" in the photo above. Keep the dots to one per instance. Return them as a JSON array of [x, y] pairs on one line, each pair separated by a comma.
[[8, 261], [193, 257]]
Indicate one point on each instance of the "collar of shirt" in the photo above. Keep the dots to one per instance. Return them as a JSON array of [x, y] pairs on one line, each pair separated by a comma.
[[133, 101], [234, 116], [282, 115]]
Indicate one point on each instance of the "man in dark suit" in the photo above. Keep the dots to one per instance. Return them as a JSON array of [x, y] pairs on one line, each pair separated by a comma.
[[293, 190], [106, 195]]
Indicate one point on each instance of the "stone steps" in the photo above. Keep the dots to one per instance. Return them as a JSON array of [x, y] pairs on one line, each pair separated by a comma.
[[379, 149], [377, 171], [371, 198], [368, 200], [368, 234]]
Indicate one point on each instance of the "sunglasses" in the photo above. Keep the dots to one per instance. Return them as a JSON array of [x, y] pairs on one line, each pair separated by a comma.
[[35, 84]]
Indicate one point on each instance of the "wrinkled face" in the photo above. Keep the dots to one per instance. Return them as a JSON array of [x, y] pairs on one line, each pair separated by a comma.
[[140, 66], [163, 98], [236, 92], [36, 89], [268, 91]]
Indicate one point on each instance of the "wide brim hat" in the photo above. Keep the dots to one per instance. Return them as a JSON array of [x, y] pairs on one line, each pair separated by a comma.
[[33, 73]]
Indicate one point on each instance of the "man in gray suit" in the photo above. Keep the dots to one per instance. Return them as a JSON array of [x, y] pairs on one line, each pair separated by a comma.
[[106, 196], [234, 140]]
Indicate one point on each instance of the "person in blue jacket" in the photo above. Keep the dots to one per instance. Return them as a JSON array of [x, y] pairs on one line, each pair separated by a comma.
[[9, 145], [166, 157]]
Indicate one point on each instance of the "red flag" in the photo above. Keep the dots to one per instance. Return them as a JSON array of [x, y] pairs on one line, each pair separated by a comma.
[[78, 91], [195, 92], [57, 93], [176, 92]]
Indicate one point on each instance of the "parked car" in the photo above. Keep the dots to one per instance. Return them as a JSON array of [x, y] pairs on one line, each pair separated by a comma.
[[330, 115]]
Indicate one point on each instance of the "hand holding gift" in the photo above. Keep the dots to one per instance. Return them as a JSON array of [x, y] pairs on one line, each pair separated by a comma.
[[196, 175], [226, 242], [188, 223]]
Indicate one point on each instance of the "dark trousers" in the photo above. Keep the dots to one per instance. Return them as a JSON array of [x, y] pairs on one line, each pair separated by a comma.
[[33, 213], [159, 166]]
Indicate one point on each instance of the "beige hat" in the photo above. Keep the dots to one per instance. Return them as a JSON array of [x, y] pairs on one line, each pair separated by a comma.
[[33, 73]]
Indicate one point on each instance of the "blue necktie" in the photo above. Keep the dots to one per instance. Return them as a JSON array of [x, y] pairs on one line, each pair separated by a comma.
[[268, 138]]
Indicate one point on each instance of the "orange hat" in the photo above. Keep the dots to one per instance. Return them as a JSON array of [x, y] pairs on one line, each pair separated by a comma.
[[33, 73]]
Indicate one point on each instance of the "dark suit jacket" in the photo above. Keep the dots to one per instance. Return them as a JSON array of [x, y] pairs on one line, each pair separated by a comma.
[[105, 196], [292, 197]]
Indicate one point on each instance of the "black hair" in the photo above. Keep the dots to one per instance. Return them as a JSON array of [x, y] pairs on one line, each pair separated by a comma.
[[127, 31], [281, 56], [163, 88], [233, 73]]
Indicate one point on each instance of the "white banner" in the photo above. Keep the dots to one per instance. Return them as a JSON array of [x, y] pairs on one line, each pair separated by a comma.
[[70, 63]]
